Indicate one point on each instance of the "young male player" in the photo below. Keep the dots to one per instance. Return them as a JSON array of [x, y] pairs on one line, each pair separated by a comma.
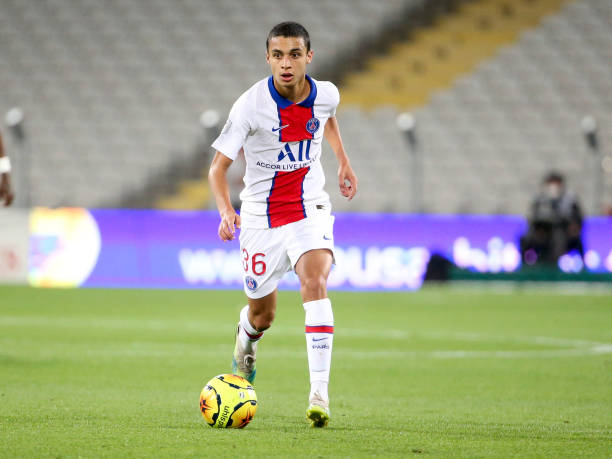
[[6, 194], [285, 217]]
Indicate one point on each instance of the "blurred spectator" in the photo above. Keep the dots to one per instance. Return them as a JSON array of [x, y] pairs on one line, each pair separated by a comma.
[[555, 223], [6, 193]]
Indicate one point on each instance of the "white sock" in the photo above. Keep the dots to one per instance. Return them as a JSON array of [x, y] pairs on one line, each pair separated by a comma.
[[319, 342], [247, 334]]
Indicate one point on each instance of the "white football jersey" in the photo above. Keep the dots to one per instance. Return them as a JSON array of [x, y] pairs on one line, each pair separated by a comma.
[[282, 140]]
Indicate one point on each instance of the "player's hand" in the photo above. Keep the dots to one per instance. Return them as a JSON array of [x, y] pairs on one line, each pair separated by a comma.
[[6, 194], [347, 180], [229, 222]]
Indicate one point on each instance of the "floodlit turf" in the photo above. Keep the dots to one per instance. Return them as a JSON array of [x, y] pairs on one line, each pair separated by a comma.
[[440, 372]]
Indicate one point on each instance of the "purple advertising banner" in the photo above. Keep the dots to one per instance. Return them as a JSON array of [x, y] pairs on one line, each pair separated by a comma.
[[180, 249]]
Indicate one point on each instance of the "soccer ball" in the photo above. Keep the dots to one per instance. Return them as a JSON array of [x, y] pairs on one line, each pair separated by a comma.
[[228, 401]]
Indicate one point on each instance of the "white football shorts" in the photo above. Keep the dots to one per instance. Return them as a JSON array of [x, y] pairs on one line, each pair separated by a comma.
[[269, 253]]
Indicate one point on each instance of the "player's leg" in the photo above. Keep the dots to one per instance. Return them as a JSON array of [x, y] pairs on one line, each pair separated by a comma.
[[313, 269], [255, 318], [265, 262]]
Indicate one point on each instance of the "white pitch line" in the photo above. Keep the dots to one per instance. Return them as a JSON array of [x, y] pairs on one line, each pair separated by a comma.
[[115, 324], [143, 350], [472, 337], [285, 330], [566, 347], [385, 355], [496, 354]]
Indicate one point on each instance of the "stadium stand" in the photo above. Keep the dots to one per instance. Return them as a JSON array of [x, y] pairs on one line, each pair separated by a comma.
[[487, 140], [113, 91]]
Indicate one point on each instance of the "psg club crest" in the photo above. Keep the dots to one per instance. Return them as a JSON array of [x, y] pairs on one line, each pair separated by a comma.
[[312, 125], [250, 283]]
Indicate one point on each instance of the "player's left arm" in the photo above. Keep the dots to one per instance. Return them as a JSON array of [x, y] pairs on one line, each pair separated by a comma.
[[346, 176]]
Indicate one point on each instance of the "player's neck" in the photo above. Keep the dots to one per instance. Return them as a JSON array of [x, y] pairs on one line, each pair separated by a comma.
[[297, 93]]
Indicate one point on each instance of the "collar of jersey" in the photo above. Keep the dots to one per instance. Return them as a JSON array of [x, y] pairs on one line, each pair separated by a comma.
[[284, 103]]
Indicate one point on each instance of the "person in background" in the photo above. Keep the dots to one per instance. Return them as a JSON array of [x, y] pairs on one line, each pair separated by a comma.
[[6, 193], [555, 223]]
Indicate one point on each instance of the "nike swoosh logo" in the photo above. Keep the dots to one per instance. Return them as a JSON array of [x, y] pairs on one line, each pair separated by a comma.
[[279, 128], [320, 339], [327, 238]]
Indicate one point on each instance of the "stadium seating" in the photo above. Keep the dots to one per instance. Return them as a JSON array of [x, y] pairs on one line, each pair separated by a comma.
[[488, 139]]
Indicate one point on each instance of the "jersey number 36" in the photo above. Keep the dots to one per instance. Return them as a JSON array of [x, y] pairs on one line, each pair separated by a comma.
[[258, 266]]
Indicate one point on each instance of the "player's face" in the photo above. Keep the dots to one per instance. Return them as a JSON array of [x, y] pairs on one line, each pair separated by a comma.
[[288, 58]]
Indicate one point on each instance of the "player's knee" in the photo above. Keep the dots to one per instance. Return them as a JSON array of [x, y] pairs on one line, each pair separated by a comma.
[[263, 320], [314, 286]]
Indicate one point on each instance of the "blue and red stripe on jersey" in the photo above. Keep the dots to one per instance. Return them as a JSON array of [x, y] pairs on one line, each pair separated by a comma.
[[286, 199], [320, 329], [293, 117]]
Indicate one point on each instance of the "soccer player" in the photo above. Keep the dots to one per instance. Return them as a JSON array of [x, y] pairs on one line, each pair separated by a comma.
[[285, 217], [6, 193]]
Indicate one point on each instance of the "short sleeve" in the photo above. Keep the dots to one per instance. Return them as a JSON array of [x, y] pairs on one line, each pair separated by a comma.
[[235, 131]]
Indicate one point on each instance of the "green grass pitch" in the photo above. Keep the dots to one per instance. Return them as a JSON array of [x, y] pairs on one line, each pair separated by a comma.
[[439, 372]]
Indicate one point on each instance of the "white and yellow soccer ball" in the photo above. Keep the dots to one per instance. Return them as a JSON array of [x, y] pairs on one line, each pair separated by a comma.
[[228, 401]]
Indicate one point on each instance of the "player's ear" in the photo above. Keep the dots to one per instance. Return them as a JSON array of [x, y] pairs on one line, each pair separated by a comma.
[[309, 55]]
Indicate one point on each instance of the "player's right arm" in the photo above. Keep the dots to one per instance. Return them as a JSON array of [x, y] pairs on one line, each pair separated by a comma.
[[228, 145], [6, 194], [217, 178]]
